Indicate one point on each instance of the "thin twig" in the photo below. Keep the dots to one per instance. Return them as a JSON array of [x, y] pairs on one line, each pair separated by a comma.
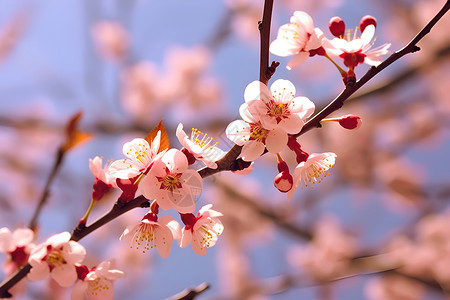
[[46, 191]]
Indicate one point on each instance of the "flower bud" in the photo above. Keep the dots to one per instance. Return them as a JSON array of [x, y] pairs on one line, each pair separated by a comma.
[[337, 27], [350, 122], [366, 21], [283, 181]]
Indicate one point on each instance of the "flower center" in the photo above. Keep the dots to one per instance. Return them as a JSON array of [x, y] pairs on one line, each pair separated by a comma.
[[98, 285], [170, 182], [54, 258], [200, 138], [316, 171], [140, 153], [144, 237], [257, 132]]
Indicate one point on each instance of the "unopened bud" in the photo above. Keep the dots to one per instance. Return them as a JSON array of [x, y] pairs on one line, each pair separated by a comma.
[[337, 27], [284, 182], [366, 21], [350, 122]]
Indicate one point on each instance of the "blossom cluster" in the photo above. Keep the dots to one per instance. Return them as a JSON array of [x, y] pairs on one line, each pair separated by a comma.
[[58, 258], [163, 175], [272, 119]]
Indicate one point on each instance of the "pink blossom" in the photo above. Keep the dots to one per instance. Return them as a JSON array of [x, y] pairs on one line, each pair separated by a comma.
[[255, 138], [199, 146], [277, 108], [312, 170], [17, 245], [153, 232], [56, 258], [98, 283], [111, 38], [298, 38], [140, 155], [356, 50], [201, 231], [171, 183]]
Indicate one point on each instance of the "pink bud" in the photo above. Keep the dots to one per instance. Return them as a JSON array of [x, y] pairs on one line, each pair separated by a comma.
[[284, 182], [337, 26], [350, 122], [366, 21]]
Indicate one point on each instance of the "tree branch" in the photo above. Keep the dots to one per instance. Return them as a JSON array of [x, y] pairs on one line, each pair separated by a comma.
[[338, 102]]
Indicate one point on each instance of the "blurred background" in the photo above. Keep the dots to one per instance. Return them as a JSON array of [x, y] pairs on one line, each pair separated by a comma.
[[378, 228]]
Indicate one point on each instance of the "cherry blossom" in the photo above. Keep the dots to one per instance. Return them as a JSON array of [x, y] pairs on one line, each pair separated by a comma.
[[17, 245], [298, 38], [171, 183], [201, 231], [268, 117], [140, 155], [255, 138], [277, 108], [97, 284], [356, 50], [199, 147], [56, 258], [312, 170], [151, 232]]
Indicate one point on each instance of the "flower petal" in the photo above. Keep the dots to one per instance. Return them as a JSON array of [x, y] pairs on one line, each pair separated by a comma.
[[297, 60], [175, 161], [368, 34], [292, 125], [186, 238], [163, 240], [252, 150], [256, 91], [238, 132], [276, 140], [282, 91], [65, 275]]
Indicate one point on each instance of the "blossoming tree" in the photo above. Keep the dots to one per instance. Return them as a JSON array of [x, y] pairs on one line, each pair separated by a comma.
[[172, 189]]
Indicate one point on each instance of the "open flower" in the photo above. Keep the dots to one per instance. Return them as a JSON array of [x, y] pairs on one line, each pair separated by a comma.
[[171, 183], [277, 108], [199, 146], [17, 245], [312, 170], [97, 284], [356, 50], [153, 232], [140, 158], [56, 258], [201, 231], [298, 38], [255, 138]]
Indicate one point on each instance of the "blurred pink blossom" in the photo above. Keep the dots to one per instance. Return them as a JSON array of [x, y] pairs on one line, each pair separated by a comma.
[[111, 39]]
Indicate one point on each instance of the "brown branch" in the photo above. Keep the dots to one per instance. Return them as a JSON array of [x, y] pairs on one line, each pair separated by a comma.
[[78, 233], [338, 102], [264, 32], [46, 191]]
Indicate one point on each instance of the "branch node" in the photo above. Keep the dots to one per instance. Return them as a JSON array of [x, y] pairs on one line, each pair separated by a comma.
[[415, 49]]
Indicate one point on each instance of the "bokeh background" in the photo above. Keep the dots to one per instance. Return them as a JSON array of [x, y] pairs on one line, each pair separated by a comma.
[[378, 228]]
